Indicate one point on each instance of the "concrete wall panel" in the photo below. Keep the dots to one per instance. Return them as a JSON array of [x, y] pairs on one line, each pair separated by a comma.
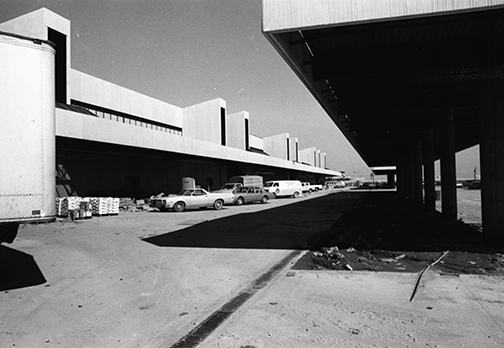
[[308, 156], [35, 24], [276, 145], [294, 149], [236, 129], [94, 91], [256, 142], [203, 121]]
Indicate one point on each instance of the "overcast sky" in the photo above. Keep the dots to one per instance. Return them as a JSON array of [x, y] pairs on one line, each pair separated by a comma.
[[188, 51]]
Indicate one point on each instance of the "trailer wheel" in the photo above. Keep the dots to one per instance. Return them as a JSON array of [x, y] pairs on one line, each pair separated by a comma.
[[296, 194], [179, 206], [218, 204]]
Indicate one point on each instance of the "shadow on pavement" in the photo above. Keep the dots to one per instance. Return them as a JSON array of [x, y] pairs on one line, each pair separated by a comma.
[[352, 230], [384, 232], [292, 226], [18, 270]]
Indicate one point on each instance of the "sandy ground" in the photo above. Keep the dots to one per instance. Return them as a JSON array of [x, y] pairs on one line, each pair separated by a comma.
[[148, 279], [468, 206], [408, 301], [336, 309]]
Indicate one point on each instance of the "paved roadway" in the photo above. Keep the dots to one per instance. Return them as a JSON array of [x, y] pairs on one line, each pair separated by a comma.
[[147, 279]]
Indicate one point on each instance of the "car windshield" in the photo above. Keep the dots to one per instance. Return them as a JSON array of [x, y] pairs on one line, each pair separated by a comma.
[[228, 186], [185, 193], [242, 189], [268, 184]]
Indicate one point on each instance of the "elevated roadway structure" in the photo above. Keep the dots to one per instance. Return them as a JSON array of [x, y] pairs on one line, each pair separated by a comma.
[[407, 82]]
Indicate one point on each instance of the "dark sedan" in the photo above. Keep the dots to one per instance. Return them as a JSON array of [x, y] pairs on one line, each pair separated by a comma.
[[249, 194]]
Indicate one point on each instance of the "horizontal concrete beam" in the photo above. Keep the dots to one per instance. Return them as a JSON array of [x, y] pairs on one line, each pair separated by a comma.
[[79, 126]]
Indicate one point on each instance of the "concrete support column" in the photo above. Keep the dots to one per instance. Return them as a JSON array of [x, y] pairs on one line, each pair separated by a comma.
[[403, 177], [428, 170], [417, 173], [448, 167], [491, 114], [390, 179], [401, 189], [411, 174]]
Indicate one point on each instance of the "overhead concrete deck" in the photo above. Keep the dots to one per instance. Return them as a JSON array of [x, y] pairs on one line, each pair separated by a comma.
[[407, 83]]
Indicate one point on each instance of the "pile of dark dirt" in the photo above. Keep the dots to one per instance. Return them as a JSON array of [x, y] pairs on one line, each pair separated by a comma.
[[384, 232]]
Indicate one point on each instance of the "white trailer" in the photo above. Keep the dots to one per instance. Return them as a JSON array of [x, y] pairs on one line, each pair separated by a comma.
[[27, 133], [247, 180]]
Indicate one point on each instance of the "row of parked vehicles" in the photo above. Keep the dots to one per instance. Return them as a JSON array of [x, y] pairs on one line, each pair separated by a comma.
[[240, 190]]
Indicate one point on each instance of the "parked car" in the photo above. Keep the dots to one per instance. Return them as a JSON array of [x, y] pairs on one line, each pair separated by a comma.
[[193, 199], [308, 187], [249, 194], [229, 187]]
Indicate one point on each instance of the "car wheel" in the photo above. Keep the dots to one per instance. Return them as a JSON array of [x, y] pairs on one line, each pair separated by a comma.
[[296, 194], [218, 204], [264, 199], [179, 206], [239, 201]]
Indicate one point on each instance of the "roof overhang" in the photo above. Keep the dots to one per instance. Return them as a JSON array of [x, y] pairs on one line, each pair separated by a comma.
[[387, 71], [383, 170]]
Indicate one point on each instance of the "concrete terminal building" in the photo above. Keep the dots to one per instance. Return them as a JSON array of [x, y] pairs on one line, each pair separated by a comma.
[[408, 82], [114, 141]]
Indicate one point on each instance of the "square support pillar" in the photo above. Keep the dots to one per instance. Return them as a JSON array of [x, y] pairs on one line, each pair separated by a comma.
[[448, 166], [417, 172], [491, 114], [411, 174], [401, 178], [428, 169], [391, 180]]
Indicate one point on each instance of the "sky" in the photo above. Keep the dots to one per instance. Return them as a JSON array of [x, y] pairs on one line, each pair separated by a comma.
[[185, 52]]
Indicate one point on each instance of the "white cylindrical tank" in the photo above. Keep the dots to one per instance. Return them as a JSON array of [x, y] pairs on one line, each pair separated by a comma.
[[27, 131]]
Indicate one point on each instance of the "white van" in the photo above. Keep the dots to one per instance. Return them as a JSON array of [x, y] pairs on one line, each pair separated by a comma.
[[284, 187]]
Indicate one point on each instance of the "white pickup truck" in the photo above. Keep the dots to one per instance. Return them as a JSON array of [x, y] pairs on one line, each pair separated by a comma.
[[307, 187], [194, 198]]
